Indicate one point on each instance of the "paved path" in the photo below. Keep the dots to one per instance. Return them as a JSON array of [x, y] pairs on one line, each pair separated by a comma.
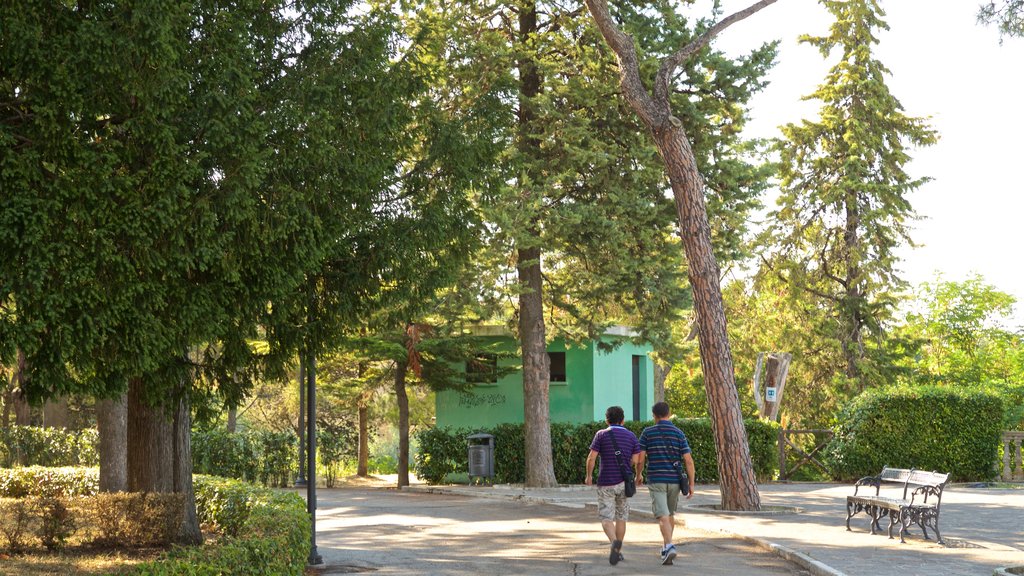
[[984, 527], [414, 532]]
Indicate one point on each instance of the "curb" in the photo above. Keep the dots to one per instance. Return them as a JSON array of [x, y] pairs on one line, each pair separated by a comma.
[[815, 567]]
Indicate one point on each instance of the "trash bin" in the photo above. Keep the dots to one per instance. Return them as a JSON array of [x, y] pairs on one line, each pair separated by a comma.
[[481, 458]]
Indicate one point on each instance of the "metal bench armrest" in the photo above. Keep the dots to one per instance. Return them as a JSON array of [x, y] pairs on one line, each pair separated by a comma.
[[868, 481]]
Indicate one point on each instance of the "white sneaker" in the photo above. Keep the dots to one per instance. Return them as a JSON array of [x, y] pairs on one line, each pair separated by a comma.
[[668, 555]]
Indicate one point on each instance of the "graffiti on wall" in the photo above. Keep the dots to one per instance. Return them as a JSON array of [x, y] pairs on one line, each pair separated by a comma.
[[474, 400]]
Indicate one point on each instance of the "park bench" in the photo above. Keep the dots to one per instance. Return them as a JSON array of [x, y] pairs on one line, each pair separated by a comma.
[[919, 503]]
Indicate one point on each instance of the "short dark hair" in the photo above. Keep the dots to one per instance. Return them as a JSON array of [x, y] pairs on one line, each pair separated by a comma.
[[615, 415], [661, 410]]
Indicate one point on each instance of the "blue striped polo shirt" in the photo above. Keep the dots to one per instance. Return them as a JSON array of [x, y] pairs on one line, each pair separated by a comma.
[[664, 444]]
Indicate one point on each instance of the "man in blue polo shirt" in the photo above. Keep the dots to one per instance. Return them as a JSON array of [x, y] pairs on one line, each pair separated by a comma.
[[663, 446], [612, 504]]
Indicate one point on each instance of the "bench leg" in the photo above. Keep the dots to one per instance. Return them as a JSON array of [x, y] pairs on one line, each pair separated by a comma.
[[894, 517], [905, 521], [874, 512], [851, 509]]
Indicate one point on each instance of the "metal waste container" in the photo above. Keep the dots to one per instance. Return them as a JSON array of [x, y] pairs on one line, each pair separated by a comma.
[[481, 458]]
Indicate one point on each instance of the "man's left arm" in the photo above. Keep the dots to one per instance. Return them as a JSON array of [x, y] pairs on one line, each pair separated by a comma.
[[688, 460]]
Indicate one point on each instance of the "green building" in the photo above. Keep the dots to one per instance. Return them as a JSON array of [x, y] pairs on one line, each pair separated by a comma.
[[585, 381]]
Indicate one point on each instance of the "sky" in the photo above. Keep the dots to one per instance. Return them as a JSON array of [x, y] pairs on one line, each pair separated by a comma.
[[944, 66]]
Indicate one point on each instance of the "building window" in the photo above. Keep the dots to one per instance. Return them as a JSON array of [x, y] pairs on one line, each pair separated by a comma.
[[482, 369], [557, 363]]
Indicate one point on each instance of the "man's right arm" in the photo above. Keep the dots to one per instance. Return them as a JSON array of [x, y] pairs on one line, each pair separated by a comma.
[[591, 460]]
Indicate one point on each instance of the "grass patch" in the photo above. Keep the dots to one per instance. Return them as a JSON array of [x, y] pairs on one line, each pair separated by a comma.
[[85, 561]]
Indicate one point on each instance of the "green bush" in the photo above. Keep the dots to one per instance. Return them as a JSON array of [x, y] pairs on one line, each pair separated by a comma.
[[266, 533], [269, 458], [445, 451], [35, 446], [928, 427]]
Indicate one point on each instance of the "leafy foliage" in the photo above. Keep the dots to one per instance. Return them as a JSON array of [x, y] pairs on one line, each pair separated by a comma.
[[945, 429], [1007, 15], [36, 446], [962, 336], [445, 451]]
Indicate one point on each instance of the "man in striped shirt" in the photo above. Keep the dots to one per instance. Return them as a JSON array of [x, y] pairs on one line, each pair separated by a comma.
[[612, 503], [664, 446]]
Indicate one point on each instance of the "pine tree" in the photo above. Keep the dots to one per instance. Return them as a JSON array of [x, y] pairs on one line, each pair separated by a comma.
[[843, 208]]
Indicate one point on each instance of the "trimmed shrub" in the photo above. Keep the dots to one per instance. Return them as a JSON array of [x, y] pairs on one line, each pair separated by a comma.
[[928, 427], [264, 532], [444, 451], [129, 519], [267, 533], [56, 522], [48, 482], [35, 446]]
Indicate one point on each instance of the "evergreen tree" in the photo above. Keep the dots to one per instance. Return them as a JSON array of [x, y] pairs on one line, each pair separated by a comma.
[[844, 208], [579, 224]]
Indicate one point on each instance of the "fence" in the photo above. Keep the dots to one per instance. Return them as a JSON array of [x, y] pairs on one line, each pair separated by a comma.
[[1013, 468], [807, 450]]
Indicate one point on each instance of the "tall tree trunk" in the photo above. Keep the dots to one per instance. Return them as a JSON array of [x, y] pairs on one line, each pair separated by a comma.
[[232, 419], [853, 322], [540, 468], [150, 453], [401, 369], [112, 421], [736, 471], [363, 456], [363, 469], [55, 413], [661, 372], [189, 533], [5, 419], [22, 410]]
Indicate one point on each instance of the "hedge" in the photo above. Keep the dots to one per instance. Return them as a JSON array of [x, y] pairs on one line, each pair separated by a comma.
[[444, 451], [264, 532], [48, 482], [35, 446], [269, 458], [929, 428]]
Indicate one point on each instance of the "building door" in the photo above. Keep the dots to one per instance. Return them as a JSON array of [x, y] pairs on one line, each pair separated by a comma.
[[636, 386]]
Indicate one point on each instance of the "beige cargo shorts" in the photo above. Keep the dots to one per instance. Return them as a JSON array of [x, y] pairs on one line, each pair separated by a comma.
[[612, 503]]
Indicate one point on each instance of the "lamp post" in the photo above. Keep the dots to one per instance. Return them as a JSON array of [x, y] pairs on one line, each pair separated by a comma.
[[314, 556], [300, 481]]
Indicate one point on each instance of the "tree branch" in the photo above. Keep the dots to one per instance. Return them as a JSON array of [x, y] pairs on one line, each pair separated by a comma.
[[669, 65], [629, 68]]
